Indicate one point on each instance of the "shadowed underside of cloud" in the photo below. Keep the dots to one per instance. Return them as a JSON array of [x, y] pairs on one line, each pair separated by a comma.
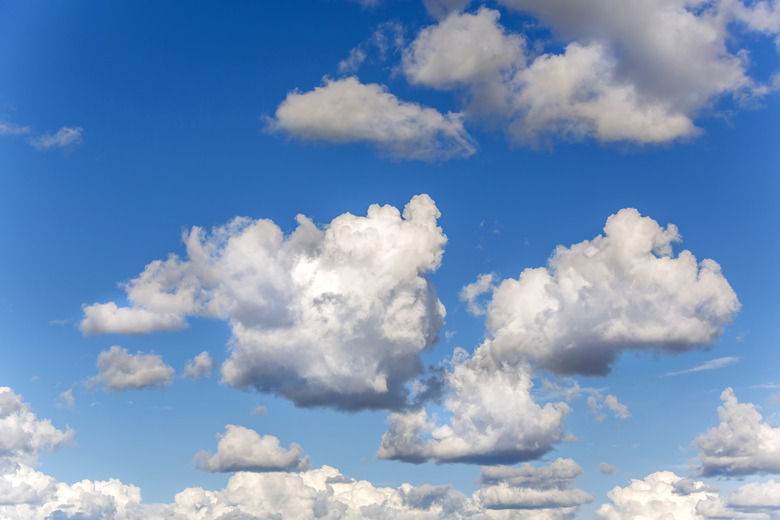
[[324, 317]]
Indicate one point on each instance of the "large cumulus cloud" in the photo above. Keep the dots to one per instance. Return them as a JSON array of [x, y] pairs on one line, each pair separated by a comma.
[[335, 316], [623, 290]]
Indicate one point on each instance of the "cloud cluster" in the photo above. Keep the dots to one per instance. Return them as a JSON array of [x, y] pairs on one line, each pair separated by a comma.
[[546, 489], [335, 316], [640, 72], [242, 449], [348, 111], [664, 495], [624, 290], [742, 444], [120, 371]]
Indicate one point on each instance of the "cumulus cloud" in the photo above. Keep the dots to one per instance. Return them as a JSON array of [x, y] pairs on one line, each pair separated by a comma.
[[66, 399], [533, 488], [335, 316], [655, 497], [639, 72], [348, 111], [462, 49], [493, 419], [119, 371], [22, 434], [199, 366], [65, 137], [742, 444], [624, 290], [607, 469], [242, 449]]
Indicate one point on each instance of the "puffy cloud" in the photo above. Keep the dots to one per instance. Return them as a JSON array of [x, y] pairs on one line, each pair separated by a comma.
[[199, 366], [607, 469], [335, 316], [347, 111], [66, 399], [742, 444], [531, 488], [242, 449], [462, 49], [655, 497], [493, 419], [120, 371], [103, 318], [623, 290], [577, 95], [64, 138], [22, 434], [637, 72]]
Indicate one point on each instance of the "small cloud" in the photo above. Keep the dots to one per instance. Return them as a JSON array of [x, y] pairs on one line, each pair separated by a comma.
[[199, 366], [13, 129], [65, 137], [120, 371], [66, 399], [607, 469], [709, 365], [260, 410], [448, 335], [59, 322]]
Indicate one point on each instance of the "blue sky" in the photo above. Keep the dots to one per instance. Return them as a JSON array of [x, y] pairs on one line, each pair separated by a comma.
[[431, 259]]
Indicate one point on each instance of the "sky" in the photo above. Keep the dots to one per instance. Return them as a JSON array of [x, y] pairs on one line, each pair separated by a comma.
[[417, 259]]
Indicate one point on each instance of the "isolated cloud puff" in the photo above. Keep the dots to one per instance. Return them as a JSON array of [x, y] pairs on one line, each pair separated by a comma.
[[199, 366], [22, 434], [493, 419], [596, 403], [335, 316], [533, 488], [348, 111], [624, 290], [742, 444], [242, 449], [120, 371], [607, 469]]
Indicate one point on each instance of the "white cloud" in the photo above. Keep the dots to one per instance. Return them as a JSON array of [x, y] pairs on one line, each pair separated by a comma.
[[596, 403], [347, 111], [120, 371], [655, 497], [242, 449], [260, 410], [66, 399], [335, 316], [493, 419], [64, 138], [742, 444], [199, 366], [101, 318], [607, 469], [709, 365], [623, 290], [469, 293], [531, 488], [462, 49], [22, 434]]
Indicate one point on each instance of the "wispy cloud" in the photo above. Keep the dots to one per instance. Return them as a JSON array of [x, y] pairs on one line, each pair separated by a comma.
[[64, 138], [709, 365]]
